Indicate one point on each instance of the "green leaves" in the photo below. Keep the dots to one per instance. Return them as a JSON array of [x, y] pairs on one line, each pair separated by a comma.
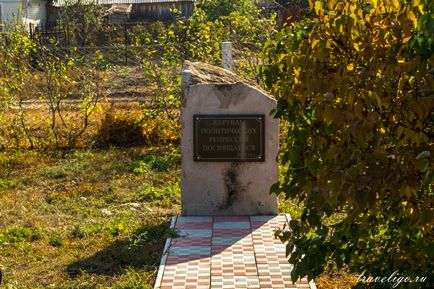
[[355, 95]]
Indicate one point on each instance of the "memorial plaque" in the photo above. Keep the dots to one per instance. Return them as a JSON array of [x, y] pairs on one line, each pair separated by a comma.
[[229, 138]]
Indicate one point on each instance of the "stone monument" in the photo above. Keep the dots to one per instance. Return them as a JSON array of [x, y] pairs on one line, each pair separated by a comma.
[[229, 144]]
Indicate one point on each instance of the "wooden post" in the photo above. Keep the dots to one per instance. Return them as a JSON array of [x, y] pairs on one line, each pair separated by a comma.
[[227, 55]]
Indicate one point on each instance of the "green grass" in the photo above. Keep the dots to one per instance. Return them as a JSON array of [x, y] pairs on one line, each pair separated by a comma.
[[86, 219]]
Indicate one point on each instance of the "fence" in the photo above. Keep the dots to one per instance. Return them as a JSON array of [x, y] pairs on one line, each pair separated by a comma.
[[54, 40], [49, 33]]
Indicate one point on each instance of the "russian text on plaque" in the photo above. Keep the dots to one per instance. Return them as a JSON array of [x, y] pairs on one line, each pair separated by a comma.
[[229, 138]]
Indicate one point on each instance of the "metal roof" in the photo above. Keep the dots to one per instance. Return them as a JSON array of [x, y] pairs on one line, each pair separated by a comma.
[[61, 3]]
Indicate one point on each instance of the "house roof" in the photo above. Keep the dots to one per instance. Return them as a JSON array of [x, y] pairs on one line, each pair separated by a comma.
[[61, 3]]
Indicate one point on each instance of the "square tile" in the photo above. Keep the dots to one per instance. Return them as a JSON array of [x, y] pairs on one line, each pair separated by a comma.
[[196, 219], [276, 282], [234, 282], [232, 225], [194, 225], [191, 241], [275, 269], [232, 240], [234, 269], [231, 232], [190, 250], [218, 219], [195, 233], [182, 259]]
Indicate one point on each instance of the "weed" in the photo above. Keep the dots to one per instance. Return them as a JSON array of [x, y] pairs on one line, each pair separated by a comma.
[[55, 240], [165, 196], [56, 173], [85, 189], [115, 230], [65, 169], [78, 232], [150, 233], [54, 197], [16, 235], [135, 278], [6, 184], [82, 231], [82, 154], [156, 162]]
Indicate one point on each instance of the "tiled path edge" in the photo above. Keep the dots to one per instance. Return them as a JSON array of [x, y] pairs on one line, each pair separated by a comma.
[[226, 252]]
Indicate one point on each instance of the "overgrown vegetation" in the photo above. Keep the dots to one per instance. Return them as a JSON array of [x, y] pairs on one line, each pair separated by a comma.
[[67, 85], [355, 85]]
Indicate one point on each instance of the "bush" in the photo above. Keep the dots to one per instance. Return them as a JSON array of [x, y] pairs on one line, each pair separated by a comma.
[[215, 9], [120, 129], [128, 129], [355, 85]]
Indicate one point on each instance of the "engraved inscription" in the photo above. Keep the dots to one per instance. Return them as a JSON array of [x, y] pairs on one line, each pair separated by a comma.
[[229, 137]]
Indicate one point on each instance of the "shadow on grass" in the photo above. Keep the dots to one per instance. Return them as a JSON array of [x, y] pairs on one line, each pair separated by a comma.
[[143, 248]]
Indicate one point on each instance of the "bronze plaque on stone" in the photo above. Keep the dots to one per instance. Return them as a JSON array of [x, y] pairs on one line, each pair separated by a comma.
[[229, 138]]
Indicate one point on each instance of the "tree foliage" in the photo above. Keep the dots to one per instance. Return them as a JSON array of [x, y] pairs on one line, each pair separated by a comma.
[[216, 9], [83, 19], [355, 85]]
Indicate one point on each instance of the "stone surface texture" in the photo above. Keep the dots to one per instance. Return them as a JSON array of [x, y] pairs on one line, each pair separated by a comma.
[[226, 188]]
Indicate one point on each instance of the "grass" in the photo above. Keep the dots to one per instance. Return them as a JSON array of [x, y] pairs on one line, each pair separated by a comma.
[[85, 219]]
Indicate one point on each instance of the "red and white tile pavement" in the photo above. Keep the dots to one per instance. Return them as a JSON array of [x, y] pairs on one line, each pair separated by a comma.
[[226, 253]]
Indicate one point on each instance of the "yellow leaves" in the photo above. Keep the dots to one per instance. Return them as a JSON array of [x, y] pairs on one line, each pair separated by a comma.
[[350, 67], [356, 46], [318, 8], [281, 57], [396, 4], [406, 39], [310, 3], [382, 130], [418, 5], [314, 43], [412, 17], [331, 4], [374, 3], [297, 71], [420, 8], [400, 59]]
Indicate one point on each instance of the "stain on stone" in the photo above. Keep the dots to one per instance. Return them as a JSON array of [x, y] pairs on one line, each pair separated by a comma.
[[229, 94], [232, 185]]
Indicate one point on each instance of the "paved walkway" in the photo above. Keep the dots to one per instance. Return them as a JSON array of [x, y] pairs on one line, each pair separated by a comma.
[[226, 252]]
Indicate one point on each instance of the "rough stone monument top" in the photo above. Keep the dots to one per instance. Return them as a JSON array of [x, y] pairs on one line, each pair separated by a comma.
[[229, 144]]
